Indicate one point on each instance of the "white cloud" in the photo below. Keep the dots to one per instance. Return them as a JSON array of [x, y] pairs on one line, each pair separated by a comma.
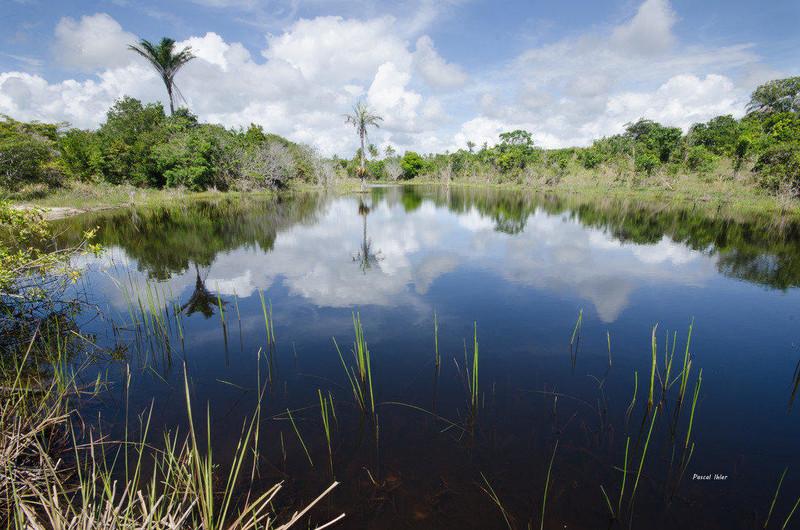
[[649, 32], [298, 87], [434, 69], [337, 50], [583, 87], [94, 42]]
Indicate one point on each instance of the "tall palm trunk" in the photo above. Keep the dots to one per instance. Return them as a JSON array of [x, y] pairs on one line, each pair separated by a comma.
[[363, 170], [171, 99]]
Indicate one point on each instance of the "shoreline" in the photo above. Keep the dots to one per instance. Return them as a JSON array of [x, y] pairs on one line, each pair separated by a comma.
[[79, 198]]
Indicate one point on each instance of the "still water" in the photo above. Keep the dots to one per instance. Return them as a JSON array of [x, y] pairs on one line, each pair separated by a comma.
[[563, 295]]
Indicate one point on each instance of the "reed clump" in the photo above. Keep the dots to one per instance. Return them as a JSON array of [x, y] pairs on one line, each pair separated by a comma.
[[54, 476]]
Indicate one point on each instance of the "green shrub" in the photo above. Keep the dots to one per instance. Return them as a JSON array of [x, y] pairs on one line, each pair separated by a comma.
[[699, 159], [412, 164], [27, 152]]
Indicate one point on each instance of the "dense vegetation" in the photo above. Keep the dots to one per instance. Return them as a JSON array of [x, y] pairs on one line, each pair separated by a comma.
[[139, 145]]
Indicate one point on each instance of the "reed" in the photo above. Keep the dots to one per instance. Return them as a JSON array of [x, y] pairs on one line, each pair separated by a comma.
[[547, 483], [653, 369], [180, 491], [608, 502], [470, 379], [575, 341], [629, 410], [492, 495], [360, 375], [775, 497], [791, 513], [624, 476], [323, 407], [641, 461], [299, 437]]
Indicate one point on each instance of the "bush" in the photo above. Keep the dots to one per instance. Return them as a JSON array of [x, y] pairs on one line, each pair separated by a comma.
[[412, 164], [27, 152], [124, 148], [646, 162], [191, 158], [591, 158], [780, 164], [699, 159], [76, 153], [268, 165]]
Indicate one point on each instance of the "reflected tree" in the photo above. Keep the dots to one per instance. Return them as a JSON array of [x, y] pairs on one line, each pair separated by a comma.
[[202, 300], [365, 257]]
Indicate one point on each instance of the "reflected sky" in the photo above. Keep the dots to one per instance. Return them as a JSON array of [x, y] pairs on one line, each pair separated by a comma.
[[552, 252]]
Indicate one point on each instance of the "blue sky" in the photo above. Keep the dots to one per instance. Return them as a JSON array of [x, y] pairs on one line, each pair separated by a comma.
[[440, 73]]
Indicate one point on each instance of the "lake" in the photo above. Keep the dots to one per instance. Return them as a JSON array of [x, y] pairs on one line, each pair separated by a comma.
[[561, 294]]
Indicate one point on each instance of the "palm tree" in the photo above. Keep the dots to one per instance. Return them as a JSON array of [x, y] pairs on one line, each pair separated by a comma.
[[362, 117], [165, 61]]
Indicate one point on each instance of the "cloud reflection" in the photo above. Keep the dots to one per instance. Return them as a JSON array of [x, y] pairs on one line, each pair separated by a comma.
[[552, 253]]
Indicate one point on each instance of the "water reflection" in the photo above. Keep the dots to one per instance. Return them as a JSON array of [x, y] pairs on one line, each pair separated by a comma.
[[366, 258], [601, 251]]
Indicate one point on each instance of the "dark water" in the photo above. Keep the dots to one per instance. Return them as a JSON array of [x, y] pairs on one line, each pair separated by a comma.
[[520, 268]]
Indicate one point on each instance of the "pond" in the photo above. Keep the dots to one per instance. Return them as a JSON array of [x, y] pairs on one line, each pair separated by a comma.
[[565, 300]]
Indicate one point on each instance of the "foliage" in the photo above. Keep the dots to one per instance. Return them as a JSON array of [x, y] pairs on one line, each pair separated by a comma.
[[24, 252], [515, 151], [719, 135], [123, 151], [27, 152], [192, 157], [361, 118], [780, 95], [166, 61], [699, 159], [412, 164]]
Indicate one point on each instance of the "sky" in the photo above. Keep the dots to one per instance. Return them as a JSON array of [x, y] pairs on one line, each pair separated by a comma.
[[440, 73]]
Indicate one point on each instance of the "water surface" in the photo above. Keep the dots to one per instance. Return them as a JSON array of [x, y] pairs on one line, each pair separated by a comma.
[[520, 268]]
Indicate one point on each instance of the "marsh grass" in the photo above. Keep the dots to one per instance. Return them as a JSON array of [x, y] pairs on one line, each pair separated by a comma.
[[326, 423], [360, 374], [547, 483], [58, 472], [492, 495]]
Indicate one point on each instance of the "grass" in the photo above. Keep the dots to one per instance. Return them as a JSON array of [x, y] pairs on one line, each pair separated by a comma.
[[775, 497], [718, 191], [490, 492], [323, 409], [51, 480], [360, 374], [300, 437], [79, 197], [547, 483]]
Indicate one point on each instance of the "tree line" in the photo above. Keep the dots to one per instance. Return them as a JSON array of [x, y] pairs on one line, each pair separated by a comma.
[[764, 144]]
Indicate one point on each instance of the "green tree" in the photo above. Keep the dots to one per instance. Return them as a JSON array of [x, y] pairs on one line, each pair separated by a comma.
[[780, 95], [412, 164], [27, 152], [361, 118], [718, 135], [166, 61], [126, 141]]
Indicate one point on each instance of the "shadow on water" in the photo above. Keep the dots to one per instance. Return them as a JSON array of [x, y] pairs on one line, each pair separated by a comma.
[[516, 429]]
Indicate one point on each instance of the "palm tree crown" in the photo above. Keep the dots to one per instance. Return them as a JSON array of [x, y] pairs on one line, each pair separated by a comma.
[[166, 62], [361, 118]]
